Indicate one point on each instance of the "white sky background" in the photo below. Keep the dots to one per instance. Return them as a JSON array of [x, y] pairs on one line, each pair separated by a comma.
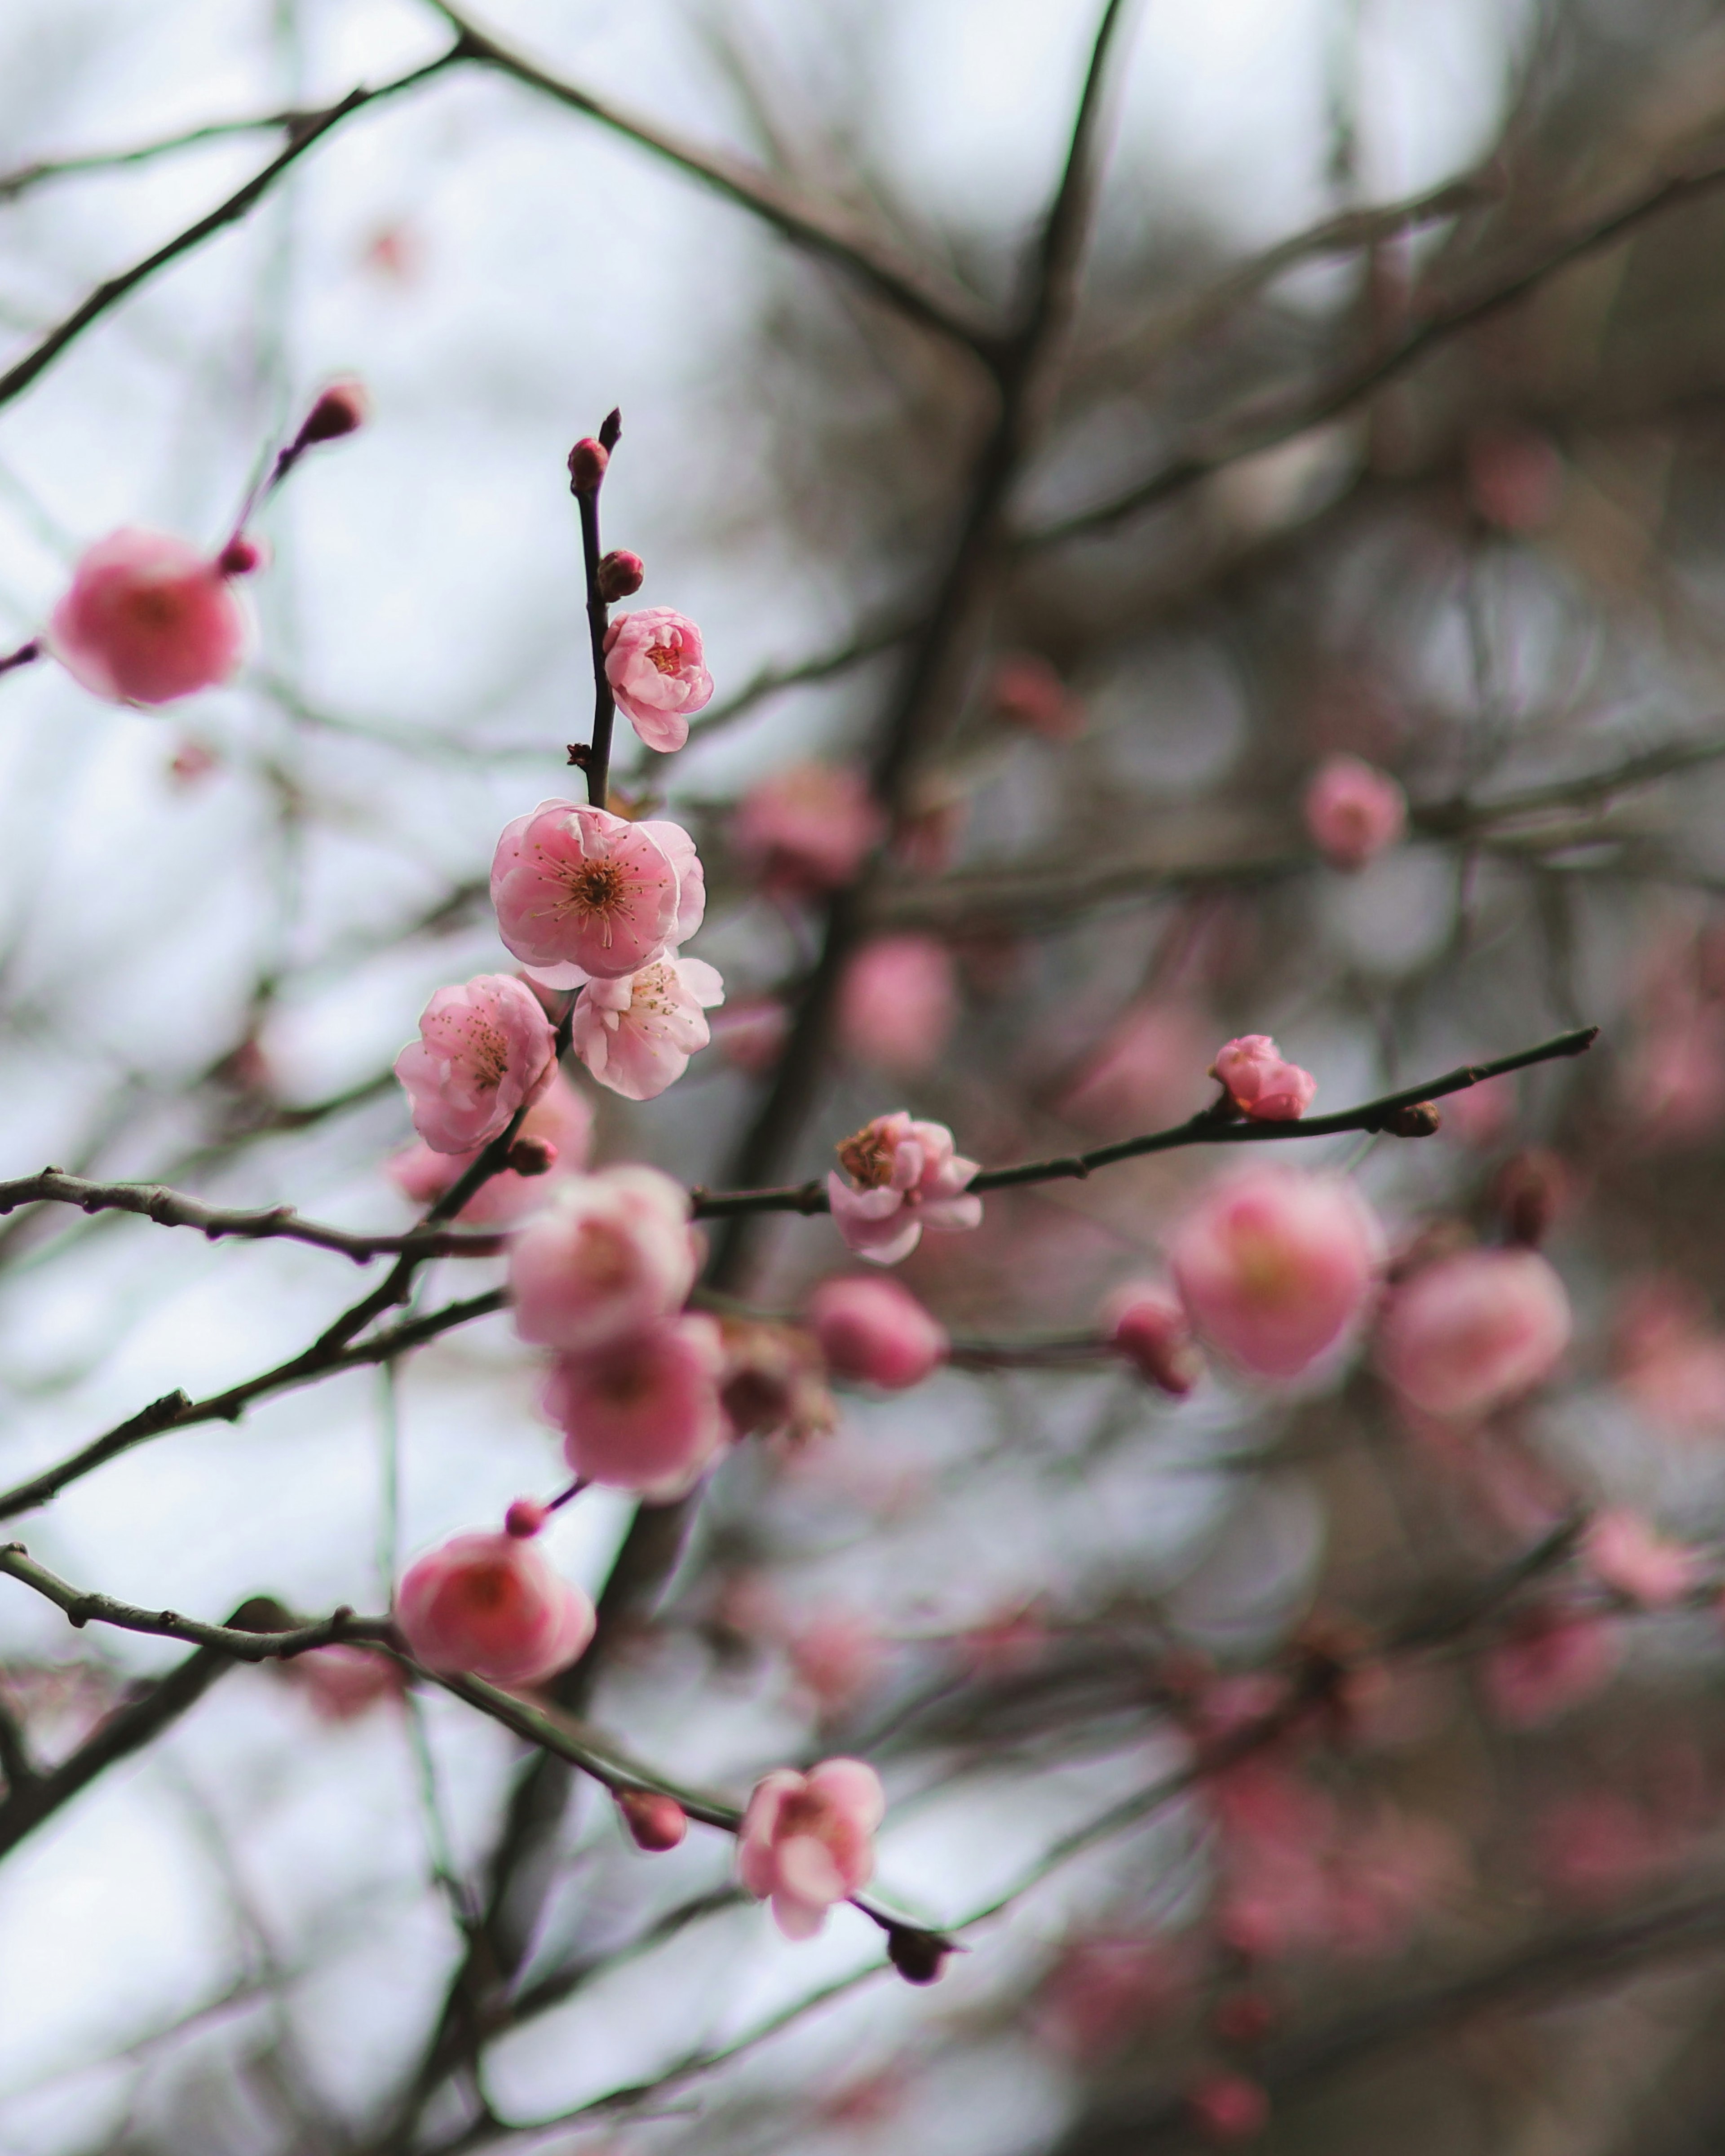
[[426, 578]]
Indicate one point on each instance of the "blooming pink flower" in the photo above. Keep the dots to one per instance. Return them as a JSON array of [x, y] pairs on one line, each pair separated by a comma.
[[1148, 1071], [1550, 1659], [558, 1118], [1151, 1330], [1472, 1331], [147, 618], [808, 1841], [1353, 811], [636, 1034], [653, 661], [1260, 1082], [807, 828], [904, 1178], [898, 1003], [484, 1050], [490, 1606], [1027, 692], [1274, 1264], [611, 1256], [1623, 1551], [643, 1413], [875, 1332], [579, 886]]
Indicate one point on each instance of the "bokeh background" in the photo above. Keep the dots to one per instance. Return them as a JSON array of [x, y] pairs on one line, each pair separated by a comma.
[[1445, 496]]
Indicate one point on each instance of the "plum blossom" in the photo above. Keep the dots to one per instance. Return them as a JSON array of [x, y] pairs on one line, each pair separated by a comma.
[[636, 1034], [875, 1332], [341, 1682], [1146, 1325], [1227, 2106], [1625, 1552], [485, 1050], [808, 1841], [654, 663], [1274, 1264], [1353, 811], [1026, 692], [1149, 1071], [643, 1413], [611, 1256], [559, 1120], [1474, 1330], [578, 887], [905, 1177], [1260, 1081], [655, 1822], [147, 618], [807, 828], [1550, 1659], [898, 1003], [490, 1606]]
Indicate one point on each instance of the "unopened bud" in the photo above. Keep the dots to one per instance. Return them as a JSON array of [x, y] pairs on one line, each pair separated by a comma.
[[525, 1518], [620, 573], [1419, 1119], [532, 1155], [655, 1822], [341, 408], [1531, 1190], [918, 1956], [586, 466], [240, 556]]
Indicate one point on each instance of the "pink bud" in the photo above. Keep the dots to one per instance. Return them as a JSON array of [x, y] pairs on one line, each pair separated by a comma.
[[1353, 811], [643, 1413], [532, 1155], [240, 556], [147, 618], [875, 1332], [609, 1258], [1151, 1330], [808, 1841], [620, 575], [1260, 1082], [1027, 692], [1228, 2108], [485, 1050], [490, 1606], [559, 1116], [191, 761], [1471, 1332], [341, 409], [898, 1003], [587, 461], [655, 1822], [525, 1518], [1530, 1191], [1624, 1553]]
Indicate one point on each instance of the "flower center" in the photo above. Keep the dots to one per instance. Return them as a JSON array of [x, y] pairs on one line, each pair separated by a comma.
[[597, 889], [867, 1159], [668, 658], [491, 1056]]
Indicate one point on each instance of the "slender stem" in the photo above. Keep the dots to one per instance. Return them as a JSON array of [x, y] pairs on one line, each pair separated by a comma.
[[25, 655], [605, 704]]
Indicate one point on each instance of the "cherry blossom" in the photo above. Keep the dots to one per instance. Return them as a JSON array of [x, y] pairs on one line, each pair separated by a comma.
[[654, 663], [147, 618], [1623, 1551], [1026, 692], [490, 1606], [1227, 2106], [1260, 1082], [1473, 1331], [655, 1822], [875, 1332], [636, 1034], [611, 1256], [1147, 1326], [905, 1177], [1550, 1659], [342, 1682], [485, 1050], [643, 1413], [1274, 1264], [1353, 812], [558, 1119], [1149, 1071], [579, 886], [807, 828], [808, 1841], [898, 1003]]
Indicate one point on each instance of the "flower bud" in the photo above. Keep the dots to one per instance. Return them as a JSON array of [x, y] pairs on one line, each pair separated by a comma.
[[620, 572], [655, 1822], [530, 1156], [586, 466], [1227, 2108], [240, 556], [525, 1518], [1529, 1192], [919, 1957], [1144, 1323], [341, 408], [1419, 1119]]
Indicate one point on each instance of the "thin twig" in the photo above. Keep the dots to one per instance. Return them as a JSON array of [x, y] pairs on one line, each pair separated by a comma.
[[23, 177]]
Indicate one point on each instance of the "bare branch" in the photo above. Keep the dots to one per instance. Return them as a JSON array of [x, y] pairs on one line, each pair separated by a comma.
[[23, 177]]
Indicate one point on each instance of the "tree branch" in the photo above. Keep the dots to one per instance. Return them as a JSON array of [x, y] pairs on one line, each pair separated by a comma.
[[23, 177]]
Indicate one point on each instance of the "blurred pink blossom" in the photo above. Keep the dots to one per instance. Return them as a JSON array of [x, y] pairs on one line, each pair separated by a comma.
[[611, 1256], [1623, 1551], [1593, 1845], [147, 618], [751, 1034], [873, 1330], [485, 1050], [559, 1117], [1226, 2106], [490, 1606], [1149, 1326], [1260, 1082], [1674, 1079], [643, 1413], [807, 828], [340, 1683], [578, 887], [1467, 1334], [808, 1841], [1104, 1990], [1479, 1114], [905, 1177], [898, 1003], [655, 663], [1670, 1361], [1149, 1071], [1549, 1661], [636, 1034], [1026, 692], [837, 1657], [1353, 811], [1515, 477]]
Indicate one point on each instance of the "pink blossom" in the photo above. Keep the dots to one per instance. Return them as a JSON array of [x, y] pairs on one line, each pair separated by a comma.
[[558, 1118], [837, 1657], [1353, 811], [752, 1034], [1549, 1661], [808, 1841], [1027, 692], [1515, 477], [1623, 1551], [1103, 1990], [656, 1822], [1145, 1323], [1149, 1071], [1227, 2106], [611, 1256], [643, 1413], [147, 618], [905, 1177], [1670, 1361], [1594, 1845], [1675, 1076], [1479, 1114], [490, 1606], [343, 1682], [636, 1034], [485, 1050], [1274, 1265], [1473, 1331], [875, 1332], [1260, 1082], [653, 661], [898, 1003], [807, 828], [579, 886]]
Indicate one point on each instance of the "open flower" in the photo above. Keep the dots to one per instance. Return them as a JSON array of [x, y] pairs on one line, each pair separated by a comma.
[[611, 1256], [898, 1003], [485, 1050], [579, 886], [1260, 1082], [1474, 1330], [654, 663], [147, 618], [559, 1119], [643, 1414], [905, 1177], [1353, 811], [636, 1034], [808, 1841], [490, 1606]]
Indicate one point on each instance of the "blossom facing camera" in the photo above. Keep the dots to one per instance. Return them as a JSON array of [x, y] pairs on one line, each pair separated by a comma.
[[1353, 812], [1260, 1082], [636, 1035], [579, 886], [808, 1841], [489, 1605], [147, 618], [875, 1332], [643, 1413], [1275, 1264], [898, 1003], [657, 671], [1475, 1331], [904, 1176], [611, 1256], [485, 1050], [1144, 1323]]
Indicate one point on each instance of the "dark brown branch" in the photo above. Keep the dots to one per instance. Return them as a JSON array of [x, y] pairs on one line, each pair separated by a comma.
[[23, 177]]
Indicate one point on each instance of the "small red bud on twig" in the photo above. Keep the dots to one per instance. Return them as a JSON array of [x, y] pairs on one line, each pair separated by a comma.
[[343, 407], [1420, 1119], [588, 460], [619, 574], [532, 1155], [918, 1956], [525, 1518], [1531, 1190], [655, 1822], [240, 556], [611, 429]]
